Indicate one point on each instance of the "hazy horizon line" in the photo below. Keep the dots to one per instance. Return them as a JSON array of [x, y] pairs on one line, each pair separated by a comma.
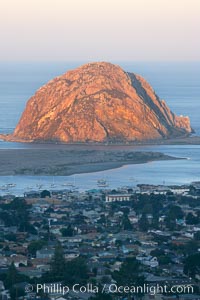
[[101, 60]]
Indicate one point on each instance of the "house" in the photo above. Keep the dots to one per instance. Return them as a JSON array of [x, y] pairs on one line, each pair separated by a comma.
[[17, 260], [180, 190], [133, 218], [32, 194], [71, 256], [5, 295], [148, 261], [3, 261], [32, 272], [45, 253], [2, 288]]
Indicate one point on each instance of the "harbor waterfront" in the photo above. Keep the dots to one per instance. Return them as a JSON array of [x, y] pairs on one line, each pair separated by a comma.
[[166, 172]]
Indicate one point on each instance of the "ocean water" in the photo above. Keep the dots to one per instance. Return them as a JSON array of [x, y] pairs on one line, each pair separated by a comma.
[[177, 83]]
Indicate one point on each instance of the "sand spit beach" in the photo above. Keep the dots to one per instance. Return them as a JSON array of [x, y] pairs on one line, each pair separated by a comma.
[[70, 161]]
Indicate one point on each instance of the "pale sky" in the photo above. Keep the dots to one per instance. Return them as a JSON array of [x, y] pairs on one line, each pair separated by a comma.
[[71, 30]]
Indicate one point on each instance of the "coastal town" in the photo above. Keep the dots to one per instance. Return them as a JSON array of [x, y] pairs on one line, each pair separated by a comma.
[[100, 150], [125, 243]]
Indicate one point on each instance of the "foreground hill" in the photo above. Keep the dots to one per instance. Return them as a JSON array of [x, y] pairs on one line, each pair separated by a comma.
[[98, 102]]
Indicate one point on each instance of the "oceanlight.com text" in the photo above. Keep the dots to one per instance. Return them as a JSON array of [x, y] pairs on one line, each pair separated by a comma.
[[113, 288]]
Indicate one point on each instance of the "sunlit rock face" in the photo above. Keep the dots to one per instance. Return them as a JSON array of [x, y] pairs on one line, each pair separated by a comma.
[[98, 102]]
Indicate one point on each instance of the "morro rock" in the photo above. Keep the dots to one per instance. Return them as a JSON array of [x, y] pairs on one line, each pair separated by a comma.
[[98, 102]]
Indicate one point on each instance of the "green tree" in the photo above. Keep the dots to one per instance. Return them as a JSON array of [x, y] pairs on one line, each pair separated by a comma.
[[76, 271], [191, 247], [16, 292], [36, 245], [170, 223], [58, 264], [143, 223], [45, 194], [13, 277], [10, 237], [18, 204], [101, 296], [128, 275], [16, 213], [155, 222], [197, 236], [163, 259], [126, 224], [7, 218], [175, 212], [191, 219], [118, 243], [192, 265], [67, 231], [102, 219], [28, 228]]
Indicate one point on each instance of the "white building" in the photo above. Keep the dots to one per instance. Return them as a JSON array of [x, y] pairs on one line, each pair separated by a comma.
[[117, 197], [148, 261]]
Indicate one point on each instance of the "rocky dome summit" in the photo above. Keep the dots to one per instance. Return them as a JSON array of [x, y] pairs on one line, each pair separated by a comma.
[[98, 102]]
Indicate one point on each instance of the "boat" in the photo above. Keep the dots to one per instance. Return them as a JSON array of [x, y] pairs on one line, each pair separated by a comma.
[[11, 185], [102, 183], [53, 185], [68, 184], [4, 188], [71, 184], [39, 186], [7, 186], [133, 179], [29, 188]]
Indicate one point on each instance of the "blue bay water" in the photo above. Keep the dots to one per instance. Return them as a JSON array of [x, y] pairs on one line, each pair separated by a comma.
[[177, 83]]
